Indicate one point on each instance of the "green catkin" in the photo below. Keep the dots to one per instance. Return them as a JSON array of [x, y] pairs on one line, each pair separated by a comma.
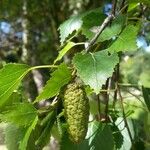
[[76, 109]]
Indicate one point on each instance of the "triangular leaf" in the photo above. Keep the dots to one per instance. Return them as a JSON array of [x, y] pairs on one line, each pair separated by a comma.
[[24, 141], [70, 25], [95, 68], [21, 114], [10, 77], [126, 40], [74, 24], [64, 51], [103, 139], [59, 78]]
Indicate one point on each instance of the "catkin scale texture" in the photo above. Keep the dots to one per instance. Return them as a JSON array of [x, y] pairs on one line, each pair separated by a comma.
[[76, 107]]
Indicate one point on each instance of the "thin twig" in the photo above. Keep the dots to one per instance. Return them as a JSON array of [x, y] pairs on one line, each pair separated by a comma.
[[129, 85], [122, 4], [99, 107], [135, 97], [124, 115], [106, 96], [114, 4], [103, 26], [116, 74]]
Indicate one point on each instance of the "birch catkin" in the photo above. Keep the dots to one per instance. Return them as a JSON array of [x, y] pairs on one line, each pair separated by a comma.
[[76, 106]]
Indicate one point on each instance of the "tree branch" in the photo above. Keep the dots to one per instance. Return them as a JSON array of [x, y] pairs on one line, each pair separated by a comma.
[[103, 26], [124, 115], [114, 4]]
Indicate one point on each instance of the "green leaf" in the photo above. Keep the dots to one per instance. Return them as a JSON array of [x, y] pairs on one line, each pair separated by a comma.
[[145, 78], [146, 95], [13, 135], [118, 137], [10, 77], [147, 2], [70, 25], [91, 21], [95, 68], [67, 144], [21, 114], [24, 141], [74, 24], [92, 130], [127, 144], [111, 32], [132, 6], [126, 40], [98, 135], [16, 134], [13, 99], [44, 138], [97, 138], [59, 78], [64, 51], [103, 139]]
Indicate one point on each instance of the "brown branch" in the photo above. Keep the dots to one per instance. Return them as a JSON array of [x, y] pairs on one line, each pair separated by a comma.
[[106, 96], [99, 107], [136, 96], [124, 115], [114, 4], [103, 26], [116, 76], [122, 4]]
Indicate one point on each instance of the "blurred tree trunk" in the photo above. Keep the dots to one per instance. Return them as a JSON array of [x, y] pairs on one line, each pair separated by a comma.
[[32, 87], [25, 32]]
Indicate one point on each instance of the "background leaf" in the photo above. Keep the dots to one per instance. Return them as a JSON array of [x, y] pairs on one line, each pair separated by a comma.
[[44, 138], [21, 114], [10, 77], [95, 68], [145, 79], [13, 135], [146, 95], [126, 41], [24, 141], [140, 1], [59, 78]]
